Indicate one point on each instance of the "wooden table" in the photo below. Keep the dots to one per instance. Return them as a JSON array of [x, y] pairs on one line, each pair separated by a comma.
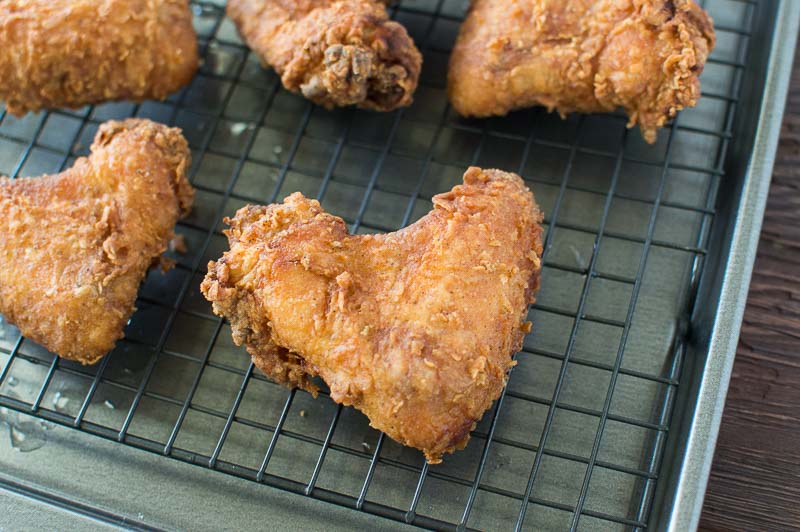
[[755, 479]]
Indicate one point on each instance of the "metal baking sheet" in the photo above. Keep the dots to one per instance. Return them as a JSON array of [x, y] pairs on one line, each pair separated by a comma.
[[609, 417]]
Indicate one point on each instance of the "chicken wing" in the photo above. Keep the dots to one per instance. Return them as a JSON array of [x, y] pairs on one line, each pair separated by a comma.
[[70, 53], [415, 328], [334, 52], [75, 246], [645, 56]]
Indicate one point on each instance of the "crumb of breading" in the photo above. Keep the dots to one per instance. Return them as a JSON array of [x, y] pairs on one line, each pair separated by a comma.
[[178, 244]]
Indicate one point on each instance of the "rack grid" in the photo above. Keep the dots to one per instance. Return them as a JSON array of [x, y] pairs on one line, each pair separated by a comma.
[[576, 440]]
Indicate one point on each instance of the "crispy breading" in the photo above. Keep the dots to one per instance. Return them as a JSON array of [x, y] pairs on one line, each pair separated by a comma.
[[70, 53], [415, 328], [335, 53], [76, 245], [645, 56]]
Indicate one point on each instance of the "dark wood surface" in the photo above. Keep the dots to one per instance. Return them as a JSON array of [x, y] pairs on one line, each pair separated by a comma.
[[755, 479]]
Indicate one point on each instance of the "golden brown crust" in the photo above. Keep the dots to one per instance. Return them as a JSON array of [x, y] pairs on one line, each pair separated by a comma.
[[70, 53], [75, 246], [335, 53], [415, 328], [645, 56]]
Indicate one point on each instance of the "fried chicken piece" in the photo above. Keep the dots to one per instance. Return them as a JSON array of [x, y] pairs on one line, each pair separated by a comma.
[[76, 245], [336, 53], [645, 56], [414, 328], [70, 53]]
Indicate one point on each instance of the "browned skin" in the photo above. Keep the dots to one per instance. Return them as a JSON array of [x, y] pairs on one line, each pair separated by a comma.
[[414, 328], [336, 53], [70, 53], [581, 56], [76, 245]]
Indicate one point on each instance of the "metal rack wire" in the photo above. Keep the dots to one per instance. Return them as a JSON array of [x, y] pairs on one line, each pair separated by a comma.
[[575, 441]]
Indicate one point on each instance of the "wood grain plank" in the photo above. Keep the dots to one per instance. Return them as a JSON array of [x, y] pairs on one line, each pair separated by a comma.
[[755, 478]]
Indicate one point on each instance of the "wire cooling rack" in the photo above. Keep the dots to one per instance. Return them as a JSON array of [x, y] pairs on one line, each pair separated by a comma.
[[577, 438]]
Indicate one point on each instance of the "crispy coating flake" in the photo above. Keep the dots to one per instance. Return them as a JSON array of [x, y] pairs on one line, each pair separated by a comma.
[[70, 53], [336, 53], [415, 328], [76, 245], [645, 56]]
